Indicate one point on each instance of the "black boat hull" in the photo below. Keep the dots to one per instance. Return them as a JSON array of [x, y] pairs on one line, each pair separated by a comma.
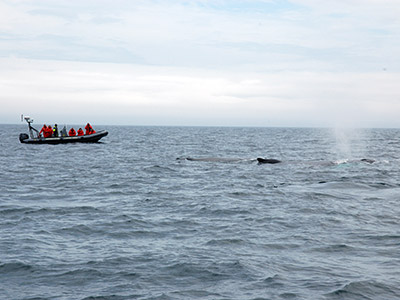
[[91, 138]]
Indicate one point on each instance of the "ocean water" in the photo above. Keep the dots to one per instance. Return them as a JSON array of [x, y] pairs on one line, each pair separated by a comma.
[[132, 218]]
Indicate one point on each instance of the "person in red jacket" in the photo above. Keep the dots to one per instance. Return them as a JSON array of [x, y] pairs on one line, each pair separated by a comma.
[[44, 128], [48, 132], [80, 132], [88, 128], [72, 132]]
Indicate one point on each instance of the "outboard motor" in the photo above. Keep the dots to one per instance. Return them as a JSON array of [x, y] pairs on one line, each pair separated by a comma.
[[23, 136]]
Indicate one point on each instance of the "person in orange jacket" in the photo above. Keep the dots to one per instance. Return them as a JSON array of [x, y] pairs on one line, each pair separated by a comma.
[[44, 128], [88, 128], [80, 132], [47, 132], [72, 132], [92, 131]]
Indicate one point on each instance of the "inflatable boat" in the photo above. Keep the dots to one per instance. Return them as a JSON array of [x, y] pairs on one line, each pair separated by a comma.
[[92, 138], [34, 138]]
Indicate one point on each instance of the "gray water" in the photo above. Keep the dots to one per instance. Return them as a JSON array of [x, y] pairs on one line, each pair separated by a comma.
[[126, 219]]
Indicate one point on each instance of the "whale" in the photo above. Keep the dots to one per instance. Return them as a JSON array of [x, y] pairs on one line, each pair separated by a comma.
[[272, 161], [276, 161], [367, 160], [268, 160], [213, 159]]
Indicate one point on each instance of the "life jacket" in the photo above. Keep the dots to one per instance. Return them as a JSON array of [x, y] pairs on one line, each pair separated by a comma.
[[72, 132], [43, 129], [55, 131], [88, 128], [80, 132], [48, 132]]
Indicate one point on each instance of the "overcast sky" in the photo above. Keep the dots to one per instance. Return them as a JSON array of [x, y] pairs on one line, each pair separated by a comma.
[[201, 62]]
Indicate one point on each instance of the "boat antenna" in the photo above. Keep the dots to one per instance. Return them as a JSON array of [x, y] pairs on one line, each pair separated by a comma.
[[29, 120]]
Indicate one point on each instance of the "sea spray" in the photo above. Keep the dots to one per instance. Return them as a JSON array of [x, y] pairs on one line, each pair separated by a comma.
[[350, 143]]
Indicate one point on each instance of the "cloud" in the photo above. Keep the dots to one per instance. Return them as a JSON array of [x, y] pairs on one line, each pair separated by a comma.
[[152, 95], [266, 35], [269, 63]]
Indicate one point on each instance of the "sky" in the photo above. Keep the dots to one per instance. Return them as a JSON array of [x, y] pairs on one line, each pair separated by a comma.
[[294, 63]]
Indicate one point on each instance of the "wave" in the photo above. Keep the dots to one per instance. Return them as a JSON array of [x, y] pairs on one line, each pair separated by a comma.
[[87, 273], [21, 211], [211, 271], [365, 290], [226, 242], [12, 267], [112, 297], [336, 248], [157, 169]]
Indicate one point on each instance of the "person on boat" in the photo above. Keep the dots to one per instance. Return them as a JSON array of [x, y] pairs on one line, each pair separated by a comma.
[[64, 131], [72, 132], [92, 131], [88, 128], [44, 128], [80, 132], [55, 130], [48, 132]]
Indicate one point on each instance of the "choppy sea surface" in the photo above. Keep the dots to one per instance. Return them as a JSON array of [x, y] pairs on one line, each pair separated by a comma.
[[132, 218]]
